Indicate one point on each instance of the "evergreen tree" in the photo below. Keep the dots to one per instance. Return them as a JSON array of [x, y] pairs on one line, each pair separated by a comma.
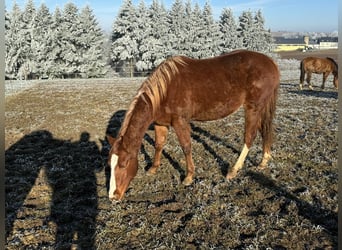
[[228, 28], [28, 66], [41, 41], [90, 45], [158, 46], [263, 38], [56, 69], [191, 26], [124, 44], [143, 61], [177, 34], [253, 33], [213, 36], [14, 40], [198, 32], [246, 29], [70, 32]]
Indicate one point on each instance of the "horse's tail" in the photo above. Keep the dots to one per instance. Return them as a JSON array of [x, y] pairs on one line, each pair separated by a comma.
[[334, 67], [302, 72], [266, 122]]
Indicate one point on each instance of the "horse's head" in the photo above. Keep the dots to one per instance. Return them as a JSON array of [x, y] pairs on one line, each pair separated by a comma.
[[124, 167]]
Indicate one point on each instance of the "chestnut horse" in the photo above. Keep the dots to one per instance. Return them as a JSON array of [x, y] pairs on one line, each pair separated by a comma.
[[317, 65], [181, 90]]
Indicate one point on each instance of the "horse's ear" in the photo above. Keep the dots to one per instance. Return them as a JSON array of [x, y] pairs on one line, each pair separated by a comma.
[[110, 139]]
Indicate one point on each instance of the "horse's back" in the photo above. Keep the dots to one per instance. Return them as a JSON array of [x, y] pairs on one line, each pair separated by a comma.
[[209, 89], [318, 65], [238, 67], [232, 74]]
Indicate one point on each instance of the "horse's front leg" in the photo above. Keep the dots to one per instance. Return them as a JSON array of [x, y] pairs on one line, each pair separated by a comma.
[[183, 132], [160, 140]]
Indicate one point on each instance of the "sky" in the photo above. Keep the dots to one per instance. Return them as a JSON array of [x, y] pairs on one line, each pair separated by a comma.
[[280, 15]]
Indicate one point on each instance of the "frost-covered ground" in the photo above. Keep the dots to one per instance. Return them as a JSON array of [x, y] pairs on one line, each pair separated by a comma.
[[56, 195]]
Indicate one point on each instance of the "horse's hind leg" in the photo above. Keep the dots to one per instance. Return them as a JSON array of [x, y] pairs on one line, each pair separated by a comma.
[[325, 76], [183, 132], [302, 76], [308, 79], [251, 127], [160, 140]]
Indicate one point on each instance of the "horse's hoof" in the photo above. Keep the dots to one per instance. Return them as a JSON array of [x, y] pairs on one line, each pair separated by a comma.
[[151, 171], [261, 166], [187, 181], [231, 176]]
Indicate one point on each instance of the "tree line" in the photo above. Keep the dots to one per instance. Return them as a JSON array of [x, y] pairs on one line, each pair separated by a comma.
[[70, 41], [66, 43]]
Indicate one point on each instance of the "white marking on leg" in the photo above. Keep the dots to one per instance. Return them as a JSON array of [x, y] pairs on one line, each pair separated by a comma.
[[239, 163], [112, 183], [242, 157], [265, 159]]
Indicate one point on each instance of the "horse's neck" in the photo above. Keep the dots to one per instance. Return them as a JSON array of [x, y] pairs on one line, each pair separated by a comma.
[[137, 125]]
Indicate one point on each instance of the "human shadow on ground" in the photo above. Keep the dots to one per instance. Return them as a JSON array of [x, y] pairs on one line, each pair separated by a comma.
[[70, 172]]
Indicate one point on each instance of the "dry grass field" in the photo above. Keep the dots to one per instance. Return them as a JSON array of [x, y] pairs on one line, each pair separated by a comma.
[[56, 175]]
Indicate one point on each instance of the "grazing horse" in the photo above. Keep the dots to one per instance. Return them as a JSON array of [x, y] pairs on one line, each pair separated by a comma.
[[317, 65], [181, 90]]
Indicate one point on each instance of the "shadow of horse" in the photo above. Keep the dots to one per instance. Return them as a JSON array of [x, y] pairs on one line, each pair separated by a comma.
[[69, 169], [318, 94], [113, 128], [315, 213]]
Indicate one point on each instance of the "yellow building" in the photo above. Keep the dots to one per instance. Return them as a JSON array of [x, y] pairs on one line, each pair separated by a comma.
[[289, 44]]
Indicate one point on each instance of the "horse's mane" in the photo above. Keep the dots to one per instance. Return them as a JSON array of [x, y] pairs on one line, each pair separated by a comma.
[[154, 88], [334, 62]]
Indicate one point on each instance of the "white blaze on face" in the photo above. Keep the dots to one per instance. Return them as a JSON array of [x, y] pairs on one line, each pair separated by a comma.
[[112, 184]]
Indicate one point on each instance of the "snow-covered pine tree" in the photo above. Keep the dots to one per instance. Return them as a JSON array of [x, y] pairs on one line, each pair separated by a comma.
[[55, 55], [246, 29], [230, 35], [143, 60], [90, 45], [198, 32], [252, 32], [177, 34], [162, 31], [124, 44], [28, 66], [212, 39], [190, 29], [41, 41], [14, 40], [155, 48], [70, 34], [263, 38]]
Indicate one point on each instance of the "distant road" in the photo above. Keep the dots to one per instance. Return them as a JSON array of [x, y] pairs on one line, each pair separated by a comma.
[[299, 55]]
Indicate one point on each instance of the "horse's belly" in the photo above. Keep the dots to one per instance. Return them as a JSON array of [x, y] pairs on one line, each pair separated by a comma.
[[218, 111]]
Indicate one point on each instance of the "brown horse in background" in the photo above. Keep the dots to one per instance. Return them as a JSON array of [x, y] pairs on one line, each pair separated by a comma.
[[181, 90], [317, 65]]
